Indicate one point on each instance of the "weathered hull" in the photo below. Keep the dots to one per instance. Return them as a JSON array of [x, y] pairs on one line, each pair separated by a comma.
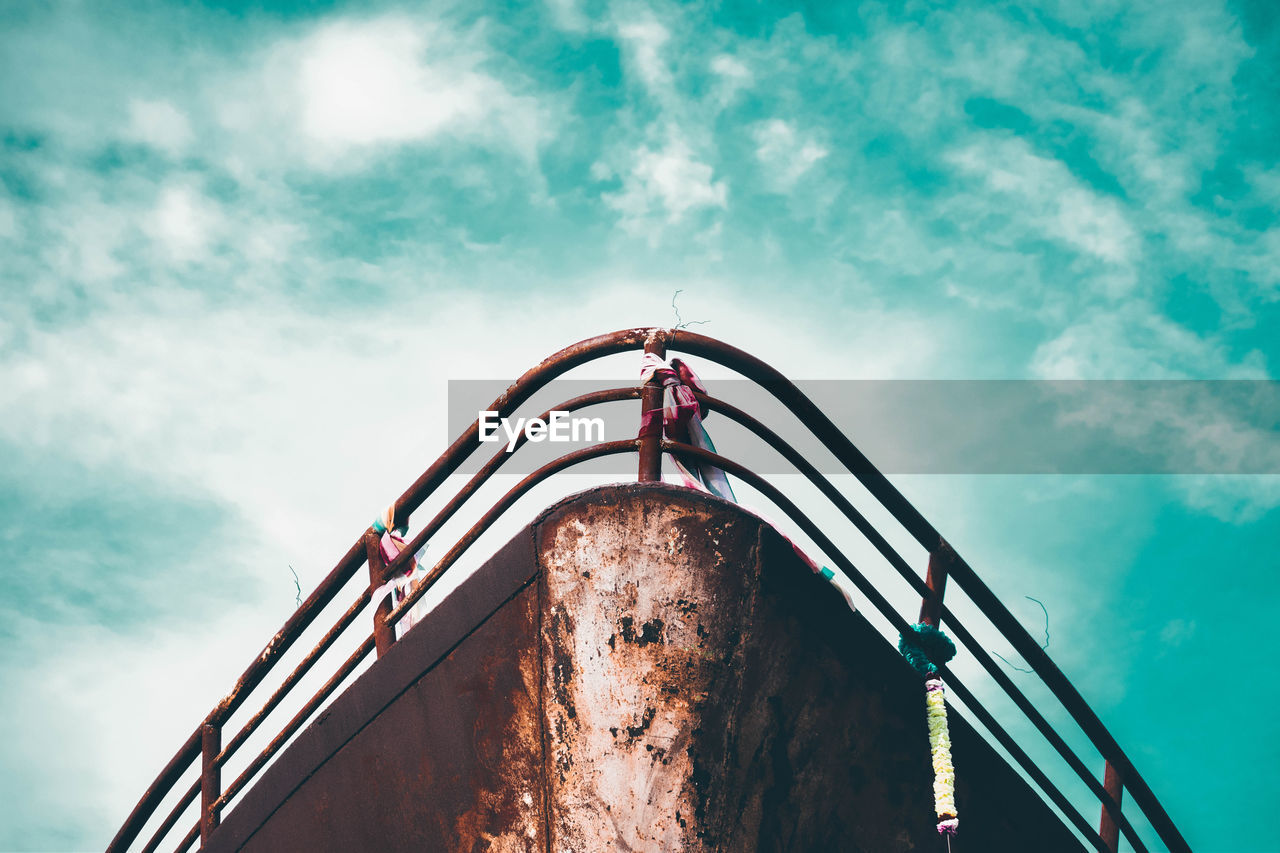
[[642, 668]]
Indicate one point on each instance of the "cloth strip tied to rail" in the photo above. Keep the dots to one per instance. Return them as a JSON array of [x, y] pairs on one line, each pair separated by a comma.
[[386, 522], [391, 544], [680, 419]]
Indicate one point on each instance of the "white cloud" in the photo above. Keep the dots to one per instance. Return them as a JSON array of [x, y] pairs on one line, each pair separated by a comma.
[[1262, 262], [1265, 183], [731, 68], [1234, 499], [663, 187], [983, 51], [1084, 220], [644, 40], [1136, 342], [1136, 150], [1189, 427], [568, 15], [93, 234], [368, 84], [184, 224], [82, 736], [1054, 201], [785, 154], [159, 124], [352, 88], [1177, 631], [85, 239], [271, 242], [732, 74], [896, 240]]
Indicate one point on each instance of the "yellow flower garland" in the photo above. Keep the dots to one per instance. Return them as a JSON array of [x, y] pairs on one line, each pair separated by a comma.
[[944, 774]]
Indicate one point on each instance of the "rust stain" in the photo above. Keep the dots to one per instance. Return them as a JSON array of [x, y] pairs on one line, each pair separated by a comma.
[[633, 633], [650, 632], [507, 816], [648, 689]]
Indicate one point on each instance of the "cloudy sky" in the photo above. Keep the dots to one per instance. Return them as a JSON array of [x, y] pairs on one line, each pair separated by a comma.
[[244, 245]]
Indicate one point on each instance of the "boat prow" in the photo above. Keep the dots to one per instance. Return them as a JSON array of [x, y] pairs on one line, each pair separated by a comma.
[[644, 667]]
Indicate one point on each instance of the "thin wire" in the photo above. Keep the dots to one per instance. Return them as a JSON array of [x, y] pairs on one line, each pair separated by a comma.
[[298, 596], [1043, 645], [1012, 665], [684, 325]]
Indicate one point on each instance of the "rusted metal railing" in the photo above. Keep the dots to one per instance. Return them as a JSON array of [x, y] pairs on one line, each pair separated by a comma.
[[1111, 814], [384, 632], [205, 744], [210, 779], [650, 450]]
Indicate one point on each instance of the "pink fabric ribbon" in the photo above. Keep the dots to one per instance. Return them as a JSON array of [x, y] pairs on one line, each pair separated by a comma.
[[391, 544], [680, 419]]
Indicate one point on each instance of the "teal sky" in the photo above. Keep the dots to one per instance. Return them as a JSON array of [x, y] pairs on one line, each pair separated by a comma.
[[243, 246]]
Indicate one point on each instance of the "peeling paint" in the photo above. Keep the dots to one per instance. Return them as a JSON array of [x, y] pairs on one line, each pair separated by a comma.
[[631, 668]]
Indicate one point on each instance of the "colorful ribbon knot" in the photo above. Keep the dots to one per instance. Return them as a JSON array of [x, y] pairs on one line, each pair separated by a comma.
[[391, 543], [680, 419]]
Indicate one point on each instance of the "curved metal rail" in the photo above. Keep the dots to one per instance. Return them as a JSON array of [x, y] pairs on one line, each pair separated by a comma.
[[205, 742]]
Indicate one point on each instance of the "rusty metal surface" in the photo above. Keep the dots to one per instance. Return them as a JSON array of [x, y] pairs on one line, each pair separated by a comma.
[[504, 503], [496, 461], [296, 721], [440, 768], [878, 600], [645, 598], [650, 468], [705, 691], [1109, 830], [659, 673], [936, 581], [906, 514], [871, 738], [252, 676], [303, 667], [831, 437], [420, 752], [210, 779], [172, 818], [384, 632], [410, 500]]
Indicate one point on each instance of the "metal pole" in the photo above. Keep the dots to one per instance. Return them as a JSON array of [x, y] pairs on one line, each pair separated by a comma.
[[651, 399], [384, 633], [1113, 783], [210, 779], [936, 580]]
